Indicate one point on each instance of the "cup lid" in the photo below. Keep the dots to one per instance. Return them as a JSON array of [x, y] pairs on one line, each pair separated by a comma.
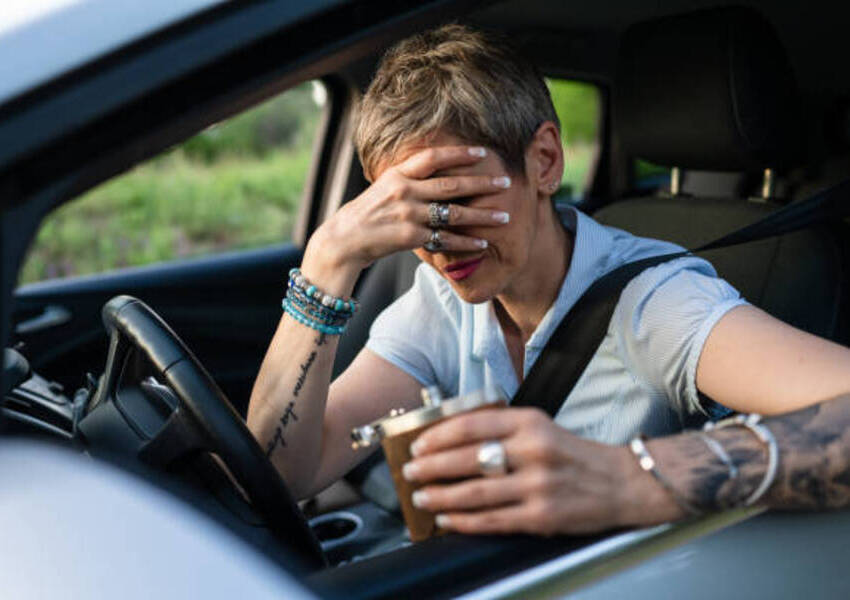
[[434, 409]]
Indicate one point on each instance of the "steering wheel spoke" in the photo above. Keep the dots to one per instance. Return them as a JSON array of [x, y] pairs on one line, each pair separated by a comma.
[[177, 438], [203, 419]]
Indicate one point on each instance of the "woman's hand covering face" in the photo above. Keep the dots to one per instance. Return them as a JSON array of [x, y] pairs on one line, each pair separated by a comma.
[[557, 483], [392, 214]]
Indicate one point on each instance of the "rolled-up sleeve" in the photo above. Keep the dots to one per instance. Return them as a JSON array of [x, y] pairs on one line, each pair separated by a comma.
[[662, 321]]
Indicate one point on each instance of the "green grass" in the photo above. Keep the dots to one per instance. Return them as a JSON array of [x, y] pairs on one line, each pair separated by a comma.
[[171, 208]]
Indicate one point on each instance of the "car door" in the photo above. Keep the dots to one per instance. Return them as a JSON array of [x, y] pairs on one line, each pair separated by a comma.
[[205, 234]]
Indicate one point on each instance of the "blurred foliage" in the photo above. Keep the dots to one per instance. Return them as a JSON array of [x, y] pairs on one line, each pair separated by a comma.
[[578, 108], [172, 209], [645, 169], [235, 185], [286, 121]]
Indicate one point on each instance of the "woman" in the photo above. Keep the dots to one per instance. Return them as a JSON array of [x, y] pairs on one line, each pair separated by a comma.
[[461, 143]]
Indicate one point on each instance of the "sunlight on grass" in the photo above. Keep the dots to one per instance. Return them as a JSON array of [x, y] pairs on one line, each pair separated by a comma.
[[172, 208]]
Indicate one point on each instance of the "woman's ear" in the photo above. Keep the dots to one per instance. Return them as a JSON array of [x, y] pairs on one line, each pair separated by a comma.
[[546, 159]]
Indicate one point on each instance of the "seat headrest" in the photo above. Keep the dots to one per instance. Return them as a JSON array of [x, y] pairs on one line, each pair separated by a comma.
[[709, 90]]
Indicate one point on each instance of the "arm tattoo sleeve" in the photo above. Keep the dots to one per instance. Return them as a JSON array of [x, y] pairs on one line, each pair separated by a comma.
[[814, 461]]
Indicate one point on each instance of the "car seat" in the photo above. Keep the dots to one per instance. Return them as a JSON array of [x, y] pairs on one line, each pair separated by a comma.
[[713, 91]]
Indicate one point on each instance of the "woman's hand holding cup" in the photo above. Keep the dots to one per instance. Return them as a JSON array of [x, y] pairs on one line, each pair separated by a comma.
[[555, 482]]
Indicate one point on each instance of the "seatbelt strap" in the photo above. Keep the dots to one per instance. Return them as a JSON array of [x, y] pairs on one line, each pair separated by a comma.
[[580, 333]]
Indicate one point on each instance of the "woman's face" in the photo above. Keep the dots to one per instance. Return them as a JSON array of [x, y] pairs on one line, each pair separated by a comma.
[[481, 275]]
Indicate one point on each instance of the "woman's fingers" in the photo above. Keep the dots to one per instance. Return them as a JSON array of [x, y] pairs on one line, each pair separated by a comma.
[[509, 519], [469, 428], [450, 464], [430, 160], [452, 242], [459, 186], [463, 216], [471, 494]]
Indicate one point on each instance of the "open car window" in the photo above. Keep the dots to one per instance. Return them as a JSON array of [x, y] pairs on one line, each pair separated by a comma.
[[579, 108], [236, 185]]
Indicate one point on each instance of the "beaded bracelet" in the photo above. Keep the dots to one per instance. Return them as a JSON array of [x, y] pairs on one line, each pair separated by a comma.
[[310, 310], [306, 315], [312, 323], [308, 305], [301, 284]]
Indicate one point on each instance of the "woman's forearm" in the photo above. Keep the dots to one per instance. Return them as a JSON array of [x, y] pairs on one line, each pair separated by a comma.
[[814, 461], [287, 404], [287, 407]]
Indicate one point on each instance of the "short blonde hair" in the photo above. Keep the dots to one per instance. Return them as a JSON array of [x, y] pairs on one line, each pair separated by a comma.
[[456, 80]]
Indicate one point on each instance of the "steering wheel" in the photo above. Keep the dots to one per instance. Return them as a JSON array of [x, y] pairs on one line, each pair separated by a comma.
[[203, 419]]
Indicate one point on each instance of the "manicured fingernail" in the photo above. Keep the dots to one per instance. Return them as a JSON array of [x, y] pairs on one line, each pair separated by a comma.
[[481, 243], [501, 217], [443, 521], [502, 182], [416, 448], [419, 498], [478, 151], [410, 471]]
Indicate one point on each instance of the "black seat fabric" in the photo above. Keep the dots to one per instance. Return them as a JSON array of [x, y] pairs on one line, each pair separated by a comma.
[[710, 90], [795, 277], [723, 99]]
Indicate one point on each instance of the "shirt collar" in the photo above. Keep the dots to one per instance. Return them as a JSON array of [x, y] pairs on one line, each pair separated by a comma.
[[590, 259]]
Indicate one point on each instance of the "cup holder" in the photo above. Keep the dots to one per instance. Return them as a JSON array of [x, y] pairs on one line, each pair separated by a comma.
[[335, 528]]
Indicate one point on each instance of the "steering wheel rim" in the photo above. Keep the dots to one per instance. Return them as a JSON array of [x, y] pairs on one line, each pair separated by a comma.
[[204, 419]]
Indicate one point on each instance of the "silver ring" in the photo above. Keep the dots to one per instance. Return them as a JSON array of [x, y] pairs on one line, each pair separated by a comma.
[[434, 243], [492, 460], [438, 214]]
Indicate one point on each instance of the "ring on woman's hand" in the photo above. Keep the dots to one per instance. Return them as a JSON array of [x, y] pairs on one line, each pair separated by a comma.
[[438, 214], [434, 243], [492, 460]]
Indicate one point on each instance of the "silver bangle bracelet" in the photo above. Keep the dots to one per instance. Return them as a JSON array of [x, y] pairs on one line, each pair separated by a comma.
[[765, 436], [720, 453], [647, 463]]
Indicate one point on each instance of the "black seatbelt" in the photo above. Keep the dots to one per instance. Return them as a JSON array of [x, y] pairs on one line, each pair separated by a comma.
[[581, 331]]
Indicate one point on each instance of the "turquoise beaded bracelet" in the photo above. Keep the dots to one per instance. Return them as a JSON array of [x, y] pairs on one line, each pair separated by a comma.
[[311, 311], [308, 305], [313, 324], [300, 283]]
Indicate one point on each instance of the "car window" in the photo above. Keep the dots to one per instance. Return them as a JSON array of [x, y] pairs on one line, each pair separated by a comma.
[[235, 185], [649, 177], [578, 105]]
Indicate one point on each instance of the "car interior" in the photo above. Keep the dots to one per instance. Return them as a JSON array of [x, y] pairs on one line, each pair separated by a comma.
[[741, 108]]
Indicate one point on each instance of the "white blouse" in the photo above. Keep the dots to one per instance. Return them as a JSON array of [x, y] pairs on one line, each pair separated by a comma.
[[641, 378]]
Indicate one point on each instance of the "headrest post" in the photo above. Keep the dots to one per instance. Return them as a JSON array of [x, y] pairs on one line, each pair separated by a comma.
[[767, 184], [675, 181]]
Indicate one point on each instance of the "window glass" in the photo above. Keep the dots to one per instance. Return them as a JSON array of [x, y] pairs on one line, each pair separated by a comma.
[[578, 107], [650, 177], [235, 185]]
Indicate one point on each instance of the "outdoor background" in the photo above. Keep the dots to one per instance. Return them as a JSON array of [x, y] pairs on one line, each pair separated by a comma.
[[235, 185]]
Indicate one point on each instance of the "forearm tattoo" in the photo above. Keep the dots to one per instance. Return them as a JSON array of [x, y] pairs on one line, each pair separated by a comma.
[[814, 461], [278, 441]]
